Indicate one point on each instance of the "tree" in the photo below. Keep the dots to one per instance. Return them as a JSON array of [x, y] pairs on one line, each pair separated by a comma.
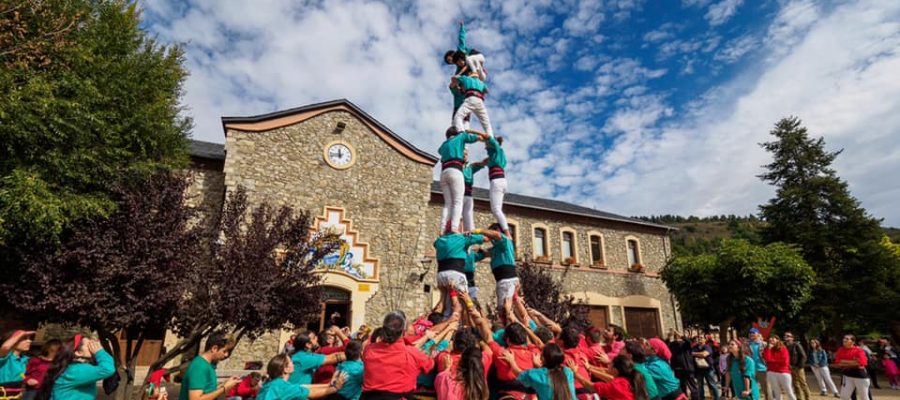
[[814, 210], [86, 97], [739, 282], [545, 293], [122, 273], [260, 276]]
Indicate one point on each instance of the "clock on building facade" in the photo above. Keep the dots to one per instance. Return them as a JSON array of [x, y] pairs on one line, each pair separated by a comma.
[[339, 155]]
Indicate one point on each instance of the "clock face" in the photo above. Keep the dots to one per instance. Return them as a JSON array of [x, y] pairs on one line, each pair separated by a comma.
[[339, 155]]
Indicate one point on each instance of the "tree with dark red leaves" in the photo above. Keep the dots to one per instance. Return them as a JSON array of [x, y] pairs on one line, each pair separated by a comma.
[[260, 277], [544, 293], [125, 272]]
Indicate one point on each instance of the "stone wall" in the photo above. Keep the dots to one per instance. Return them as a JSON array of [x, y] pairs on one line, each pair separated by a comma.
[[614, 287], [384, 194]]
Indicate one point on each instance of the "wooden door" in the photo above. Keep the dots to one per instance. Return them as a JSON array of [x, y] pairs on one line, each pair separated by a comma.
[[599, 316], [642, 322], [150, 350]]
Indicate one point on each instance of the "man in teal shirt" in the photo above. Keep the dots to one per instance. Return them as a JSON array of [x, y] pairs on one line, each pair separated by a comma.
[[451, 251], [503, 267], [474, 91], [199, 382], [468, 61], [307, 361], [13, 358], [453, 159]]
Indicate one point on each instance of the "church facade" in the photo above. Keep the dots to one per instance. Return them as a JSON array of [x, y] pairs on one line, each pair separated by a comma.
[[365, 182]]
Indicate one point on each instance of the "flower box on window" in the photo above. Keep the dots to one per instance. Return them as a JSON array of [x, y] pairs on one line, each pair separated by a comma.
[[636, 268], [599, 265], [570, 261]]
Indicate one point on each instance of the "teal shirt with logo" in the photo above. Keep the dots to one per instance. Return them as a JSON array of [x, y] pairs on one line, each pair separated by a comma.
[[305, 366], [12, 368], [200, 375], [663, 376], [455, 245], [454, 148], [496, 155], [539, 380], [352, 388], [280, 389], [79, 380], [503, 252], [467, 83]]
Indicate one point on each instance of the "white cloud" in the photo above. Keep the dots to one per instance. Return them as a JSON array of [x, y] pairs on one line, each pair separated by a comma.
[[835, 69], [736, 49], [839, 77], [722, 11]]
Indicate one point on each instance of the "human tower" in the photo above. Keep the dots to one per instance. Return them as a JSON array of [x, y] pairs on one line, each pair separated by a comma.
[[455, 257]]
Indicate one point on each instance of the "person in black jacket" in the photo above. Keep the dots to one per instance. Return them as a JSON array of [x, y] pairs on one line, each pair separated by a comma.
[[683, 364], [798, 362]]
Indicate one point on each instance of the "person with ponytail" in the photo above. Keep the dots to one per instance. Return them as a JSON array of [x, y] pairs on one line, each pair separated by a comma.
[[75, 371], [550, 379], [279, 387], [778, 368], [740, 375], [465, 382], [624, 383]]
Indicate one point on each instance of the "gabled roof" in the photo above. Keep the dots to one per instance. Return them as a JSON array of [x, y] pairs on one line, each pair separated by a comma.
[[278, 119], [537, 203]]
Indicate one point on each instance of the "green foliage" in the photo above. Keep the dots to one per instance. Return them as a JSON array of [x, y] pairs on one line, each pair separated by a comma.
[[85, 98], [738, 282], [813, 209]]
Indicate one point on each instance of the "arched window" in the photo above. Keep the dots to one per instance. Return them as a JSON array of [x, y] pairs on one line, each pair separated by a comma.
[[540, 243], [596, 242], [634, 252]]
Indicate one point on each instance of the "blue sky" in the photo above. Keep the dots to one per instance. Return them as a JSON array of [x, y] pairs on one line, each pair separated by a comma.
[[635, 107]]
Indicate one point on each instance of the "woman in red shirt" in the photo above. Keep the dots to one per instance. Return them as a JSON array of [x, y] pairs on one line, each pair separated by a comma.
[[37, 368], [625, 383], [852, 362], [778, 367]]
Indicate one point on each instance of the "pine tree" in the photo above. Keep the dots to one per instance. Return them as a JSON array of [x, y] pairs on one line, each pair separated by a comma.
[[813, 208]]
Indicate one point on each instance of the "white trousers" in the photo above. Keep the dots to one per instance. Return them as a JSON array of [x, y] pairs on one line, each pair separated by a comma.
[[453, 187], [823, 377], [498, 190], [779, 381], [861, 385], [473, 105], [468, 215], [475, 62]]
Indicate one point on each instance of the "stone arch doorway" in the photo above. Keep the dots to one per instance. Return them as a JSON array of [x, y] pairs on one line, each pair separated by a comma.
[[336, 309]]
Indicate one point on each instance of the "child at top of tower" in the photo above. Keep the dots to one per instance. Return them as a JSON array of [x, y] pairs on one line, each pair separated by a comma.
[[468, 61]]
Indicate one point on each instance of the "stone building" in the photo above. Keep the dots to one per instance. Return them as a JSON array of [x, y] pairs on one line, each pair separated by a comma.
[[359, 177]]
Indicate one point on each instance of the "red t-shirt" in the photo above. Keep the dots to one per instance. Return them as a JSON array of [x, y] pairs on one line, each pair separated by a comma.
[[244, 389], [393, 367], [853, 353], [777, 360], [36, 369], [575, 354], [617, 389], [524, 359]]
